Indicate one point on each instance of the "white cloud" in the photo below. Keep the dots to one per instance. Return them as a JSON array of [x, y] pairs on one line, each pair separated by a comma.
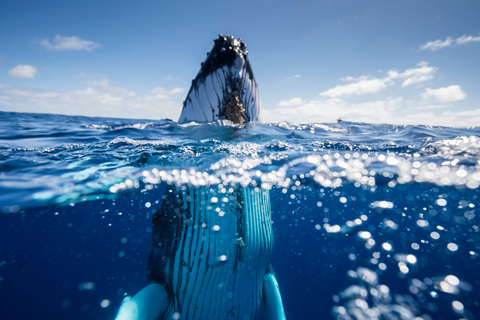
[[363, 85], [466, 39], [61, 43], [320, 111], [23, 71], [437, 44], [422, 73], [351, 79], [360, 87], [428, 108], [295, 76], [467, 113], [290, 103], [99, 98], [444, 95], [393, 110], [440, 44], [84, 75]]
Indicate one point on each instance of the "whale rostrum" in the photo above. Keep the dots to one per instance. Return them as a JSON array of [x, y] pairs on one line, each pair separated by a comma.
[[225, 87]]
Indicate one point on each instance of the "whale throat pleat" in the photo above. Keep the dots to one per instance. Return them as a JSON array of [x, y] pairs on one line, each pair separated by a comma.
[[222, 245]]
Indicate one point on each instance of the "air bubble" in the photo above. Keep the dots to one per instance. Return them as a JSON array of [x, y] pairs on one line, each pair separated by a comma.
[[411, 259], [105, 303], [452, 247], [364, 234], [387, 246], [422, 223], [434, 235], [451, 279], [457, 306]]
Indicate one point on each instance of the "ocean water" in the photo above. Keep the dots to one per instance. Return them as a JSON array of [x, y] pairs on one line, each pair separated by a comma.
[[370, 221]]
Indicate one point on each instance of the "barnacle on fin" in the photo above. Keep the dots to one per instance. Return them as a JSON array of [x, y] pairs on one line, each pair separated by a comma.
[[239, 242], [234, 109]]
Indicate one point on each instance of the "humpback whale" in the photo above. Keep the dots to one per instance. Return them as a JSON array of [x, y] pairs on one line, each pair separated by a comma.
[[225, 87], [211, 245]]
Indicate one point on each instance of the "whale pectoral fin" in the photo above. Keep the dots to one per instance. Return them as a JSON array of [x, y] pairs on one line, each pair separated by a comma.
[[147, 304], [271, 296]]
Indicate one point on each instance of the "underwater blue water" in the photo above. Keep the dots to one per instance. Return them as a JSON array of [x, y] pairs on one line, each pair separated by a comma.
[[370, 221]]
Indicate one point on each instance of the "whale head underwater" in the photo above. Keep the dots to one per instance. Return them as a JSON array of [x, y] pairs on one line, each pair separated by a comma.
[[210, 259], [224, 88]]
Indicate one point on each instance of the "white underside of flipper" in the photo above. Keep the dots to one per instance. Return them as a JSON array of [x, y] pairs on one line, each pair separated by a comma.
[[273, 304], [148, 304]]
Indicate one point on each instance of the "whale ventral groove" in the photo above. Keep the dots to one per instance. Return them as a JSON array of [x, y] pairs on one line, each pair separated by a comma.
[[198, 253]]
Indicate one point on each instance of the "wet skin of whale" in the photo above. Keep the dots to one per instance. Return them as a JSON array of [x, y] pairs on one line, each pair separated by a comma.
[[211, 248]]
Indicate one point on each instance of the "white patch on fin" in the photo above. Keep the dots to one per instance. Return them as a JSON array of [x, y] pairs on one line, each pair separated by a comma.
[[147, 304]]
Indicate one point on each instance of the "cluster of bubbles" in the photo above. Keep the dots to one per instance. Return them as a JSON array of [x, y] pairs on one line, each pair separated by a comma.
[[87, 286], [369, 299], [329, 170], [280, 163]]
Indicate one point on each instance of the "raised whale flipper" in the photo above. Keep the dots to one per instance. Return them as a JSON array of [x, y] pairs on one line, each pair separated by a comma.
[[148, 304], [271, 296], [225, 87]]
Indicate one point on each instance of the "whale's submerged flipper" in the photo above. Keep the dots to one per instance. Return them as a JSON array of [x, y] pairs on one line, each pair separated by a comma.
[[225, 87], [271, 296], [211, 248], [151, 302]]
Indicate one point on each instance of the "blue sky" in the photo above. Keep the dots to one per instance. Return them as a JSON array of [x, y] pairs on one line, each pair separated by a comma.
[[406, 62]]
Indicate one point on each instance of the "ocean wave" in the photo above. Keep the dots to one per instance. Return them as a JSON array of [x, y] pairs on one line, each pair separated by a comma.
[[98, 157]]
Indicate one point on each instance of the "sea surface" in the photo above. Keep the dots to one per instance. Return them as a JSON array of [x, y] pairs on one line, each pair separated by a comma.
[[370, 221]]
